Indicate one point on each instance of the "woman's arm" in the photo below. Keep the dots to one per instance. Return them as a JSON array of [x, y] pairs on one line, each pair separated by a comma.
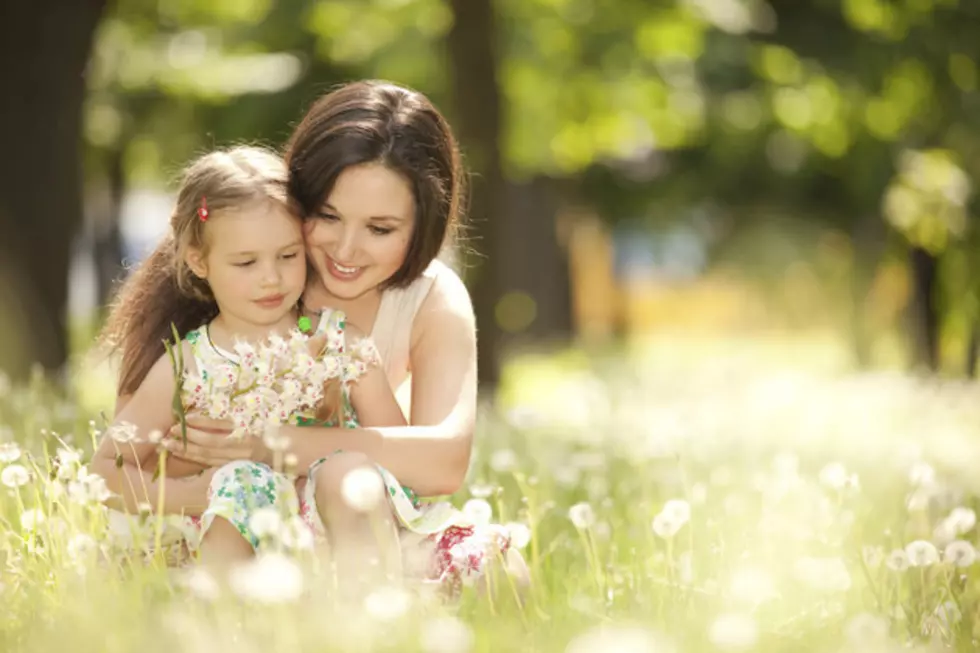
[[432, 454], [128, 465], [371, 396]]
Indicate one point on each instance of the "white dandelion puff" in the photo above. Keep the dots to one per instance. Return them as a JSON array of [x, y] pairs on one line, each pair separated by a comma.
[[9, 452], [268, 578], [199, 582], [733, 631], [265, 523], [80, 547], [962, 519], [15, 476], [478, 511], [520, 534], [31, 519], [866, 630], [296, 535], [581, 515], [897, 560], [362, 489], [621, 639], [445, 635], [503, 461], [834, 476], [922, 553], [481, 491], [387, 604], [960, 553], [123, 432], [873, 556], [824, 574]]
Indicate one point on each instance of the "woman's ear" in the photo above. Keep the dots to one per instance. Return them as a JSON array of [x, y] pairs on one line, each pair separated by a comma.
[[197, 262]]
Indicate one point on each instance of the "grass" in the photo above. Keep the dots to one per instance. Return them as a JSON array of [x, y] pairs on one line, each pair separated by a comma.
[[821, 508]]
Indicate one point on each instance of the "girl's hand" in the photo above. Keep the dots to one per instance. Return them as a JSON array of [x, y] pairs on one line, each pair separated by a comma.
[[209, 444]]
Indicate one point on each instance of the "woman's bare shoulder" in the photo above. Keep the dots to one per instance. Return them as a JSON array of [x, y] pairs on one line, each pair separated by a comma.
[[447, 295]]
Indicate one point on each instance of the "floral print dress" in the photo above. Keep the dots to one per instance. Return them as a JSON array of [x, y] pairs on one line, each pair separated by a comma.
[[440, 543]]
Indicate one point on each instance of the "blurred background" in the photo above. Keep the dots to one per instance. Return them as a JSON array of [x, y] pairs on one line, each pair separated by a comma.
[[646, 172]]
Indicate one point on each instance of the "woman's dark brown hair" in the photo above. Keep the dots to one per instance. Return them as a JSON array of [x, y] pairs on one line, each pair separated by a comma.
[[163, 290], [379, 122]]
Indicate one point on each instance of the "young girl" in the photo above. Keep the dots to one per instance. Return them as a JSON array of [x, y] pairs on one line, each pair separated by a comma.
[[231, 270]]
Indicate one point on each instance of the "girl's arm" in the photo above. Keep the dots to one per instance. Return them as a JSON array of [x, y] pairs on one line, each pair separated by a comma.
[[127, 465]]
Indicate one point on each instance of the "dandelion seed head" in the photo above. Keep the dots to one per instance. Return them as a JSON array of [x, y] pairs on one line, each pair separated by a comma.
[[921, 553], [15, 476], [387, 604], [581, 515], [362, 489], [445, 635], [478, 511], [268, 578], [520, 534], [9, 452], [733, 632], [960, 553]]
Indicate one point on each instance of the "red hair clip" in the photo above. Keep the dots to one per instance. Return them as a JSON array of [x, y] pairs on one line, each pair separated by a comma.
[[202, 212]]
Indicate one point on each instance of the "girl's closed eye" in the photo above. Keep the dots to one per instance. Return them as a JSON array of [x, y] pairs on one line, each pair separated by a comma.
[[290, 256], [243, 264]]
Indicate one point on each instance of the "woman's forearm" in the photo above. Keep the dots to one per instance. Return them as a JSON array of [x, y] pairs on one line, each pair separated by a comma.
[[134, 488], [432, 460]]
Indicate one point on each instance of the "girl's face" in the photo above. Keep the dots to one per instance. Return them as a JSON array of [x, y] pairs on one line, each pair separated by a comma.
[[360, 236], [254, 263]]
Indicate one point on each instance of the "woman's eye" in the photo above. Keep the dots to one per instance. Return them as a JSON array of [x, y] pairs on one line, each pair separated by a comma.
[[381, 231], [326, 216]]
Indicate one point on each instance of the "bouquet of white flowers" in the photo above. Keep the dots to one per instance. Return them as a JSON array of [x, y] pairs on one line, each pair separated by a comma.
[[271, 382]]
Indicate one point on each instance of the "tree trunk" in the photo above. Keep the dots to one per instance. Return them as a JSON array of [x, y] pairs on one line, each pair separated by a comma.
[[868, 236], [925, 311], [534, 262], [107, 241], [471, 45], [972, 347], [44, 48]]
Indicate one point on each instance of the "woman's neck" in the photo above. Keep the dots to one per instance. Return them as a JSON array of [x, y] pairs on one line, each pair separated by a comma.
[[361, 310], [225, 330]]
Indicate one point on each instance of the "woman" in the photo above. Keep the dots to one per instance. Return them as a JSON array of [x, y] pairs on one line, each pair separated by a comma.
[[376, 173]]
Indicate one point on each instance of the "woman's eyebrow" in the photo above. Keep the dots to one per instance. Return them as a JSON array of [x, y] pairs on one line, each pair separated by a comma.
[[390, 218]]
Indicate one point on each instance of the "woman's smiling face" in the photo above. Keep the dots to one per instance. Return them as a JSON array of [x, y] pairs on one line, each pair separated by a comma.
[[360, 236]]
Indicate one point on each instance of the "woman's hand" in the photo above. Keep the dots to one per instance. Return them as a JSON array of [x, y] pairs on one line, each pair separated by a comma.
[[209, 444]]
